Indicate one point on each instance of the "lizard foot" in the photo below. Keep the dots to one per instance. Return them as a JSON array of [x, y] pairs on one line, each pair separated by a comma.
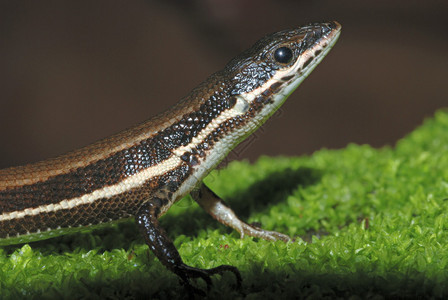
[[255, 230]]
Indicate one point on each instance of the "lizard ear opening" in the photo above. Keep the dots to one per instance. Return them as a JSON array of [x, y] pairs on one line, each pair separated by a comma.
[[240, 105]]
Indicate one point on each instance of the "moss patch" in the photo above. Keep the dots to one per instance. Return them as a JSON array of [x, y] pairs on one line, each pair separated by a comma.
[[368, 222]]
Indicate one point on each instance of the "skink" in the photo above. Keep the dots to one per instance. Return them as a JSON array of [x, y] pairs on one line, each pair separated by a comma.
[[140, 172]]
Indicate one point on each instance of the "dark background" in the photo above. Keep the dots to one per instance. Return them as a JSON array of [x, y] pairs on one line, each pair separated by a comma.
[[72, 72]]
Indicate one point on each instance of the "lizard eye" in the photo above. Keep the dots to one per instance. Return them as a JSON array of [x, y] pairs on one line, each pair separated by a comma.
[[283, 55]]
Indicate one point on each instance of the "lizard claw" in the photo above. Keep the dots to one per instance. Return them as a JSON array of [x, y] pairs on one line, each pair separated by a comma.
[[186, 272]]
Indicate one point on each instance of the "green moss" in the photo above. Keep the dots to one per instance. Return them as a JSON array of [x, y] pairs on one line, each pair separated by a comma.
[[368, 223]]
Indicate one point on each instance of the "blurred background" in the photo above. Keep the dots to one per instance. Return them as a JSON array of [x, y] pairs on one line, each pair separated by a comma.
[[73, 72]]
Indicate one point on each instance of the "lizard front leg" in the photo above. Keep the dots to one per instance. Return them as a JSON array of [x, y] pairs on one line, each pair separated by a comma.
[[218, 209], [166, 252]]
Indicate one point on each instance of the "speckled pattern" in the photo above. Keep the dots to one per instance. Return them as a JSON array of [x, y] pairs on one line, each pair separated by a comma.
[[119, 165]]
